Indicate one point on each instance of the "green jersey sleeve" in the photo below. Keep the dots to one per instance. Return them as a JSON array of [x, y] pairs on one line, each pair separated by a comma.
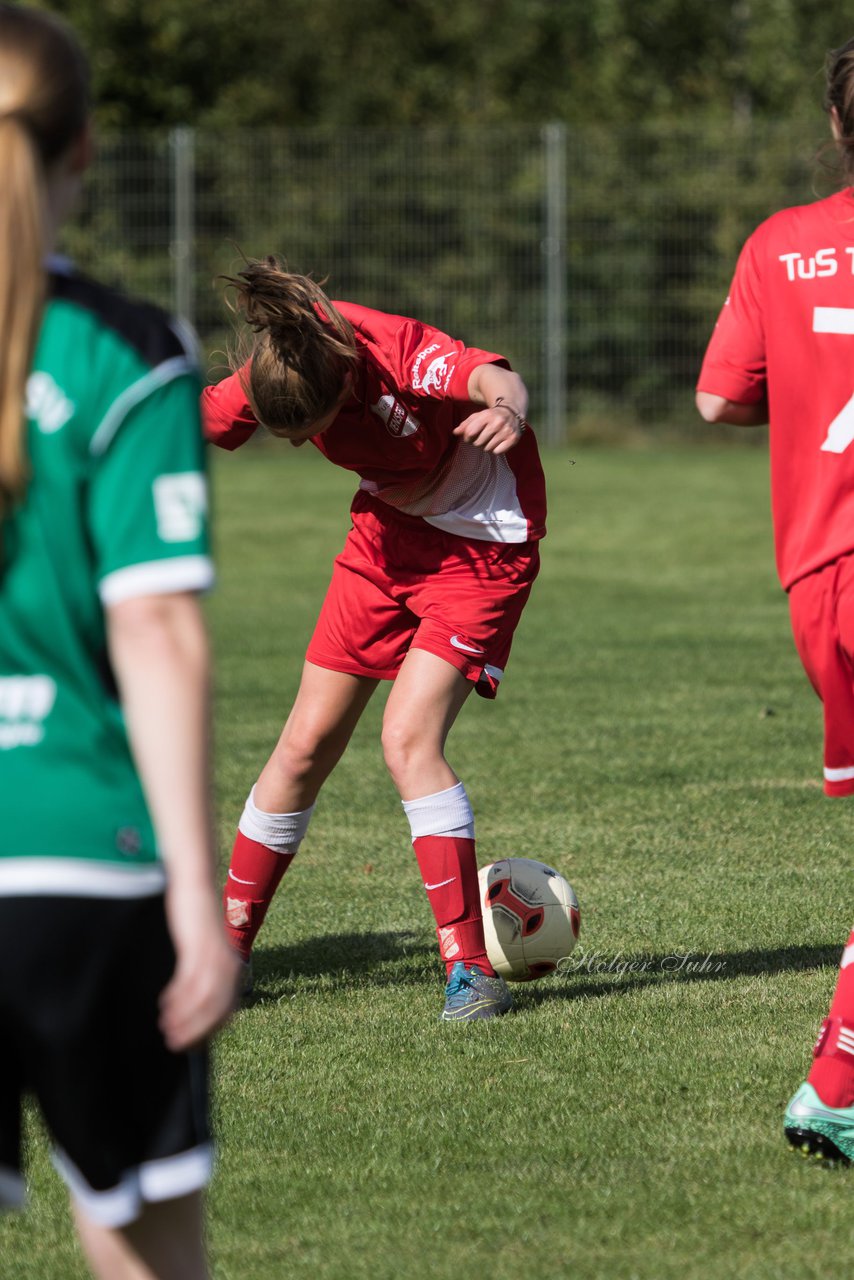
[[148, 499]]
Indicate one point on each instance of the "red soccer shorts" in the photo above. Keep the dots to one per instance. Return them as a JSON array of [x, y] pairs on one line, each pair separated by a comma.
[[822, 612], [402, 584]]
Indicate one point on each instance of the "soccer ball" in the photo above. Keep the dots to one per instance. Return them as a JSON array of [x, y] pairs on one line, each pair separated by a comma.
[[530, 917]]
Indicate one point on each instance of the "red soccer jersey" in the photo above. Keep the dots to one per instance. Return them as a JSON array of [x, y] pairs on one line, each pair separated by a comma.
[[410, 392], [787, 330]]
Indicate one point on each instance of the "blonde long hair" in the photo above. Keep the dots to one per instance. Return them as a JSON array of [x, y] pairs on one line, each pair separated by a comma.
[[303, 347], [44, 104]]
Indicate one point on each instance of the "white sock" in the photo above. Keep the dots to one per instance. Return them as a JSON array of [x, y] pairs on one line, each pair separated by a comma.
[[280, 831], [445, 813]]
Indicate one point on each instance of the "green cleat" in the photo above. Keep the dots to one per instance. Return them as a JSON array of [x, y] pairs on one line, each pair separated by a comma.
[[472, 994], [818, 1130]]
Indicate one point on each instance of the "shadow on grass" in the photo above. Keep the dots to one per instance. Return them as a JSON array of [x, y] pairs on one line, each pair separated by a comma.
[[399, 958], [592, 974], [342, 957]]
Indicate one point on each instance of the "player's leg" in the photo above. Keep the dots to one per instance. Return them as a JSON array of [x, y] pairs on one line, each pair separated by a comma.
[[12, 1088], [425, 700], [820, 1117], [128, 1118], [279, 807], [164, 1243]]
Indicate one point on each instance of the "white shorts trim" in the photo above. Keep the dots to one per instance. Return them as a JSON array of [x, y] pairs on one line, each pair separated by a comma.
[[838, 775], [150, 1183], [156, 578], [79, 878], [13, 1191]]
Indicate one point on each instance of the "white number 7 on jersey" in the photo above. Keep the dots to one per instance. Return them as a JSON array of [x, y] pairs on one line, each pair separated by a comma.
[[840, 433]]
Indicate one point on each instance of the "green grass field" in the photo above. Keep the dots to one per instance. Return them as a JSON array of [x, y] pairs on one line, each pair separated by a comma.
[[656, 740]]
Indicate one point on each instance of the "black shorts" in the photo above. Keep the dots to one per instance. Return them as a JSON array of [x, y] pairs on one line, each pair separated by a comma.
[[79, 985]]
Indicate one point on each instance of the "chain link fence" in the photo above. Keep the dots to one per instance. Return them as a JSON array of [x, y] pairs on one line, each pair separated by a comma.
[[595, 259]]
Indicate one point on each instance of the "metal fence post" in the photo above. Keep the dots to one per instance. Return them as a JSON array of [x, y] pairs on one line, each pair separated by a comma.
[[182, 143], [554, 270]]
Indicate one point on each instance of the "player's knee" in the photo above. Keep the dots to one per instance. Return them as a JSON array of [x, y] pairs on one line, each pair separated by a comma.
[[403, 748], [299, 756]]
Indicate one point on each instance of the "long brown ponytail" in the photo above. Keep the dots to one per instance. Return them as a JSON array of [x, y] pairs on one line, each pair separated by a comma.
[[44, 103], [303, 349], [840, 95]]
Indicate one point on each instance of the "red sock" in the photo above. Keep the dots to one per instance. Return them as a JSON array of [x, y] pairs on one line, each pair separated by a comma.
[[253, 878], [832, 1072], [449, 871]]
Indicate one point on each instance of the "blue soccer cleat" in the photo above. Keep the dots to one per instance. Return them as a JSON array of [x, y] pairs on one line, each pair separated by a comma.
[[817, 1130], [472, 994]]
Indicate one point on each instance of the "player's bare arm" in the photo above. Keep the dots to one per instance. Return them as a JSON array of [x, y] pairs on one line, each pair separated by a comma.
[[714, 408], [159, 652], [501, 424]]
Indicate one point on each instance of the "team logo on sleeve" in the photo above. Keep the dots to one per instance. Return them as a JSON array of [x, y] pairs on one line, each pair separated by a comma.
[[437, 373], [180, 504], [47, 404], [418, 361], [398, 422], [25, 704]]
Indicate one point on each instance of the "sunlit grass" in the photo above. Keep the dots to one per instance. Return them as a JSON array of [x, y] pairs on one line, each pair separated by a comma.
[[656, 740]]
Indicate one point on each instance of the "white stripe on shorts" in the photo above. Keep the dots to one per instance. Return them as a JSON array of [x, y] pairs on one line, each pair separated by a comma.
[[156, 1180], [838, 775], [79, 878]]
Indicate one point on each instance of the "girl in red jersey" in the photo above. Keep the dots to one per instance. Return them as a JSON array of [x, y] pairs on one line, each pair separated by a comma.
[[783, 353], [427, 591]]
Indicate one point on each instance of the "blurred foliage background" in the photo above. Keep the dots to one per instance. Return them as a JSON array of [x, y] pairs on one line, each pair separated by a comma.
[[567, 183]]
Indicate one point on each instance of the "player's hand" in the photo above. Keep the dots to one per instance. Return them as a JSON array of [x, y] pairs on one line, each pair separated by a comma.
[[203, 990], [494, 429]]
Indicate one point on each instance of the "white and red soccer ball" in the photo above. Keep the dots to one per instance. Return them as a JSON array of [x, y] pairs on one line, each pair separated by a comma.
[[531, 917]]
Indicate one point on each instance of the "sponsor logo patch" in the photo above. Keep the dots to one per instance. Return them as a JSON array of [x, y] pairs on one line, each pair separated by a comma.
[[47, 404], [25, 704], [180, 504]]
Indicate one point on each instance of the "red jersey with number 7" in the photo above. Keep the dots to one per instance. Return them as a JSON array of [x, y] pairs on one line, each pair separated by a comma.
[[787, 331]]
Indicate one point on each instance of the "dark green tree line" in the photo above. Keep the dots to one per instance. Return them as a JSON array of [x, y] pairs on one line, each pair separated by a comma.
[[223, 64]]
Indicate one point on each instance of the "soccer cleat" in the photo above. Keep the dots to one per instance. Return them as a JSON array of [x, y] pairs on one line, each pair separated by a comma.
[[472, 994], [246, 980], [817, 1130]]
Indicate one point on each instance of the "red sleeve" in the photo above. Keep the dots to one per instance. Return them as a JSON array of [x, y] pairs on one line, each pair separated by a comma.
[[434, 365], [735, 365], [228, 420]]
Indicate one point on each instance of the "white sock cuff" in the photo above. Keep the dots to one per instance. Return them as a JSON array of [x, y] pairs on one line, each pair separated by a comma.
[[282, 831], [445, 813]]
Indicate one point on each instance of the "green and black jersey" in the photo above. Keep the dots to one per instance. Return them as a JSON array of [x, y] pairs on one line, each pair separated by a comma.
[[116, 508]]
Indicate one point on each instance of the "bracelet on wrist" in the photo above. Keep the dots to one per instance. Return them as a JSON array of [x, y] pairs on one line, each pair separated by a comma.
[[521, 421]]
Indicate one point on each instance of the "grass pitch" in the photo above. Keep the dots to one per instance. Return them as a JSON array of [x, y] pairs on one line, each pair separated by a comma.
[[656, 740]]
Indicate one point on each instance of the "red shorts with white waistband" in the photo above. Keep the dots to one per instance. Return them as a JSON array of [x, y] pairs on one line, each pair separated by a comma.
[[822, 612], [401, 584]]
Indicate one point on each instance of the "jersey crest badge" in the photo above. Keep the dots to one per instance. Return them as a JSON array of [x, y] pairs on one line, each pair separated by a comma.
[[398, 422]]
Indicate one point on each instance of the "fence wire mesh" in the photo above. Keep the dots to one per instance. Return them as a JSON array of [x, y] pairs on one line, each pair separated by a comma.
[[595, 259]]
